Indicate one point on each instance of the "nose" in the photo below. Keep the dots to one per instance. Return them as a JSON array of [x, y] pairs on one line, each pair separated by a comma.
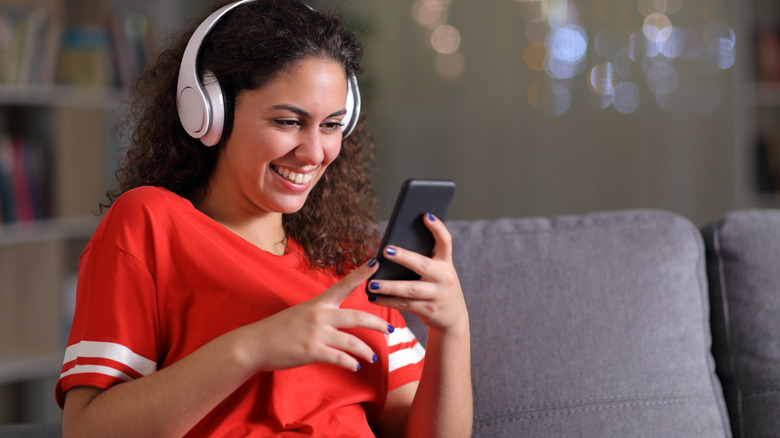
[[310, 149]]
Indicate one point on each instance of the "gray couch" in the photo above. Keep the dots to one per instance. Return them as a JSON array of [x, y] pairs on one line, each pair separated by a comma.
[[622, 324], [599, 325]]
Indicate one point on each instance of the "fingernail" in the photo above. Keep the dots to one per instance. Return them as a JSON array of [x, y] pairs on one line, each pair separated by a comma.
[[373, 285], [431, 218], [374, 359], [371, 298], [390, 328], [372, 262], [390, 251], [358, 368]]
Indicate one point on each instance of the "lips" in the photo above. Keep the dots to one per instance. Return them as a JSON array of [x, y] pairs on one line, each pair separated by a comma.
[[295, 177]]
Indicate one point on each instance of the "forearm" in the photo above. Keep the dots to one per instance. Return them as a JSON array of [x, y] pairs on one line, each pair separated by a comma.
[[443, 405], [168, 402], [171, 401]]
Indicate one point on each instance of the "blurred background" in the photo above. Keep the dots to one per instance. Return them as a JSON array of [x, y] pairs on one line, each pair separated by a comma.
[[533, 107]]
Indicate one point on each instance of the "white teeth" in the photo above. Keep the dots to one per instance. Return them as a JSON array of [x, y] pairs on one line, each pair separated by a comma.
[[297, 178]]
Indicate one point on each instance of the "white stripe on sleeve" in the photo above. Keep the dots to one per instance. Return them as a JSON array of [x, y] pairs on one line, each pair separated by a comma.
[[98, 369], [111, 351], [399, 336], [407, 356]]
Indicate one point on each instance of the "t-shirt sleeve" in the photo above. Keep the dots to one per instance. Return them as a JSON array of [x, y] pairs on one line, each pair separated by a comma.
[[114, 334], [406, 354]]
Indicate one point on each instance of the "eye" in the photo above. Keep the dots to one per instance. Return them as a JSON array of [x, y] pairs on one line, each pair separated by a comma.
[[332, 126], [287, 123]]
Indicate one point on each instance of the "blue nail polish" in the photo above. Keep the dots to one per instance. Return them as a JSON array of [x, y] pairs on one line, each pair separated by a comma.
[[431, 218], [373, 285], [372, 262], [390, 251], [358, 368], [390, 328], [374, 359]]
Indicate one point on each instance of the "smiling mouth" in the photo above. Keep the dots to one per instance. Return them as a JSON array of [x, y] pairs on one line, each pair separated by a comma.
[[297, 178]]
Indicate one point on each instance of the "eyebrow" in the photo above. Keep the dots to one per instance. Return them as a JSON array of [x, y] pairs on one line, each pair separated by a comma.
[[303, 113]]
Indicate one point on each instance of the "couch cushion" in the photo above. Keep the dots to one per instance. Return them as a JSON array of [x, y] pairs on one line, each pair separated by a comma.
[[743, 250], [32, 430], [593, 325]]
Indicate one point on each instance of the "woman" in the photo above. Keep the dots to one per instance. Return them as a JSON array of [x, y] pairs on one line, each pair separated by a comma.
[[221, 294]]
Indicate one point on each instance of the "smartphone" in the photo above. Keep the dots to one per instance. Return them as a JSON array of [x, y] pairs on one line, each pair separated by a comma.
[[406, 228]]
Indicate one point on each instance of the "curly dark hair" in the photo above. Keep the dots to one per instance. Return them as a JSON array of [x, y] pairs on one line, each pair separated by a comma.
[[245, 50]]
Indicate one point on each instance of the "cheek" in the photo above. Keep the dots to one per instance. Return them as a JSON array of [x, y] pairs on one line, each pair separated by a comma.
[[331, 151]]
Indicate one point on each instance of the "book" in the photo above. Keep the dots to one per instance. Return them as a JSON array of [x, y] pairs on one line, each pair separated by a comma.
[[7, 199], [25, 182], [768, 56], [84, 57], [130, 36], [29, 45]]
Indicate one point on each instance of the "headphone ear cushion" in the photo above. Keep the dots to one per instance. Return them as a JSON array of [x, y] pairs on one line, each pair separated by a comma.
[[229, 97], [216, 102]]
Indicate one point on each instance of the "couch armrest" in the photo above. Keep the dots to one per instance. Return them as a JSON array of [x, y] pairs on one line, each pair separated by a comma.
[[743, 251]]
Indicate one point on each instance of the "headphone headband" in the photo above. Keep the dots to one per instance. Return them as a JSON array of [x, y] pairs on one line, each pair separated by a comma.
[[201, 103]]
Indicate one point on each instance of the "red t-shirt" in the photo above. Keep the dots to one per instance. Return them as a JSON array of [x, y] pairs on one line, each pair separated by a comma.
[[159, 279]]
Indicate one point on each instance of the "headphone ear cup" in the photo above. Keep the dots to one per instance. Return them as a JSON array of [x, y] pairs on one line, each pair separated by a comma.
[[216, 101], [352, 106]]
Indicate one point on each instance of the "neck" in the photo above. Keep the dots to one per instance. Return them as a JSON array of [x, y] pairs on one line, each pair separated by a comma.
[[265, 230]]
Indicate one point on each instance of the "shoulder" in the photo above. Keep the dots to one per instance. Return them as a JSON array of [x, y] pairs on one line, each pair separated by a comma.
[[147, 201], [149, 195], [140, 209]]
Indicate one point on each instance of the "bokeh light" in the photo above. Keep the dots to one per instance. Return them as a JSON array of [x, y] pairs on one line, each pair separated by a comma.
[[628, 48], [445, 39], [625, 97], [562, 13], [568, 43], [619, 49], [428, 15], [566, 47], [657, 27], [603, 79], [450, 65], [534, 11], [720, 41], [534, 55]]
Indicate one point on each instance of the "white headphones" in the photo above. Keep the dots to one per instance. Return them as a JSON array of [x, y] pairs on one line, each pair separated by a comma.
[[201, 104]]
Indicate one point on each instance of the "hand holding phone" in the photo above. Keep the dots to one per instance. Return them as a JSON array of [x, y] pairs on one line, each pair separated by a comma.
[[406, 228]]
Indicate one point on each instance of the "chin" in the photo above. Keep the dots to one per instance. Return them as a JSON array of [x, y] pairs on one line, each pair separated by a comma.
[[289, 208]]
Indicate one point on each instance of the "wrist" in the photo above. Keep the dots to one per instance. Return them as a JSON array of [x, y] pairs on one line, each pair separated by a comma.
[[458, 330], [243, 358]]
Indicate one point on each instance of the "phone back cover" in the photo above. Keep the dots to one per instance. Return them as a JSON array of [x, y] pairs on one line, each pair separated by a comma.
[[406, 226]]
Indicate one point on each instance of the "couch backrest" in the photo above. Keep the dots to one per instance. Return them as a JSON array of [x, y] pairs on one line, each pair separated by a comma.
[[593, 325], [743, 250]]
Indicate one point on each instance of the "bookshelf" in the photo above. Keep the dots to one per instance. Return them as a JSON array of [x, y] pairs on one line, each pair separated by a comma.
[[757, 109], [63, 66]]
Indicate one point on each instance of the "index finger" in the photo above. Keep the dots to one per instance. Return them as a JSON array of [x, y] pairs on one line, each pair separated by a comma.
[[339, 292]]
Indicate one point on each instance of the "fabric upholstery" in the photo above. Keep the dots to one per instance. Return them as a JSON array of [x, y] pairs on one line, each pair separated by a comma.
[[592, 325], [40, 430], [743, 251]]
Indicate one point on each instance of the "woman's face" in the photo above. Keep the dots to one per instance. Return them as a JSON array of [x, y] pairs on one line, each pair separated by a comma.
[[285, 134]]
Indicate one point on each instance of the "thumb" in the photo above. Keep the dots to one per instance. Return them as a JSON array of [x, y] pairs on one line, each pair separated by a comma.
[[339, 292]]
